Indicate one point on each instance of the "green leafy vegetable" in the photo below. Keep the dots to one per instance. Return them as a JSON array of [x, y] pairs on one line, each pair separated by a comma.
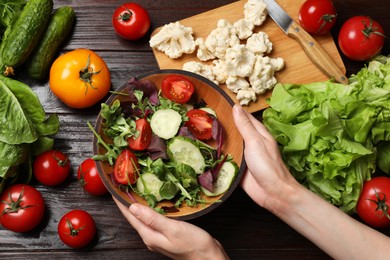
[[25, 130], [9, 9], [329, 133]]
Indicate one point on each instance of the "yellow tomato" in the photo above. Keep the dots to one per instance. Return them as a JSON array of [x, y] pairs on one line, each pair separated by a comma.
[[80, 78]]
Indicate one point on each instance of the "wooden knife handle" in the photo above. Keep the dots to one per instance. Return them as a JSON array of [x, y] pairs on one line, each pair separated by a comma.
[[316, 53]]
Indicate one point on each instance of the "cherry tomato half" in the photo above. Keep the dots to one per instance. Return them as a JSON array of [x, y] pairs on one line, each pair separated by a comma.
[[200, 124], [143, 137], [317, 16], [76, 228], [373, 206], [89, 178], [361, 38], [131, 21], [51, 167], [177, 88], [21, 208], [126, 168], [80, 78]]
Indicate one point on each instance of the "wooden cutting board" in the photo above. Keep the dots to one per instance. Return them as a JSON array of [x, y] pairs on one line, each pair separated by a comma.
[[298, 67]]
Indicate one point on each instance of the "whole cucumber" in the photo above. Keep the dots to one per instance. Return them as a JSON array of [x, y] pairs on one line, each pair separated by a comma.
[[26, 32], [60, 26]]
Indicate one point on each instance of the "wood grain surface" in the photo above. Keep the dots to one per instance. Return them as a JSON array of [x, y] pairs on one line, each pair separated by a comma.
[[298, 67], [244, 229]]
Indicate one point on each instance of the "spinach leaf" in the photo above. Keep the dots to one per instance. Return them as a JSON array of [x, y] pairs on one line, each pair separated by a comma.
[[24, 130], [9, 10], [15, 125], [28, 100], [168, 190], [12, 154]]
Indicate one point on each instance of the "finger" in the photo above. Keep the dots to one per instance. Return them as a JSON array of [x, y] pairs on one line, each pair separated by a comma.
[[134, 221], [243, 123], [244, 119], [132, 214]]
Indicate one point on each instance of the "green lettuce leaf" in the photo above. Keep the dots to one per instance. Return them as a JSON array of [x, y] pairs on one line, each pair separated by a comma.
[[329, 134]]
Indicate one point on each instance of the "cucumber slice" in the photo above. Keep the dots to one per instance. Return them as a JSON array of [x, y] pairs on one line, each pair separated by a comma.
[[165, 123], [225, 178], [182, 149], [209, 110], [152, 184]]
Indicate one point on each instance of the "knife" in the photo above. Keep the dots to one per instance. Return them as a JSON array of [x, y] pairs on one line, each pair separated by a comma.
[[311, 47]]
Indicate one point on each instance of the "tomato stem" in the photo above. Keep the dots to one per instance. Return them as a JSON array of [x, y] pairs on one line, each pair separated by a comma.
[[60, 162], [368, 30], [14, 206], [326, 18], [381, 204], [86, 75], [126, 15], [72, 231]]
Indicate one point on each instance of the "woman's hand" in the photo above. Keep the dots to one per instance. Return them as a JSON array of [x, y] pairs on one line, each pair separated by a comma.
[[267, 177], [175, 239]]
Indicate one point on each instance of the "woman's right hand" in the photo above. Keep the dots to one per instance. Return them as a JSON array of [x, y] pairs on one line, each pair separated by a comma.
[[267, 177]]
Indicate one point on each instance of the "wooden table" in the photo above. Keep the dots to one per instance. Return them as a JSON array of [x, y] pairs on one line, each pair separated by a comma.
[[245, 230]]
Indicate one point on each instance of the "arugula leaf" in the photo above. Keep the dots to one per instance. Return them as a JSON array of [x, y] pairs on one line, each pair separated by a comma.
[[116, 126]]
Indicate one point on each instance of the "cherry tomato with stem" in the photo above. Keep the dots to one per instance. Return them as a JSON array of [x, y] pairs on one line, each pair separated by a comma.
[[361, 38], [89, 178], [131, 21], [374, 201], [177, 88], [51, 167], [21, 208], [77, 228], [317, 16], [126, 168], [141, 140], [200, 124]]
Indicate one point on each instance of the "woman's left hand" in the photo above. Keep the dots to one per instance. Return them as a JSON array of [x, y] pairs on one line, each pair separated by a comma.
[[173, 238]]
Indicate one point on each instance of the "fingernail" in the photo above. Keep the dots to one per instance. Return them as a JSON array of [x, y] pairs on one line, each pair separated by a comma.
[[135, 210]]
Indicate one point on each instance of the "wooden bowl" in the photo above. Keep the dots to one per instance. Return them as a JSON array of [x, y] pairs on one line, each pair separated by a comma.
[[214, 98]]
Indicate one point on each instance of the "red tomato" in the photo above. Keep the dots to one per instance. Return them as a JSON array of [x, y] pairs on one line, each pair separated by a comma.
[[361, 38], [142, 139], [77, 228], [51, 167], [177, 88], [374, 201], [131, 21], [22, 208], [89, 178], [317, 16], [200, 124], [126, 168]]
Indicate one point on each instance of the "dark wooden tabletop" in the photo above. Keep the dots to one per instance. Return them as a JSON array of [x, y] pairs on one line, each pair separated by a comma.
[[244, 229]]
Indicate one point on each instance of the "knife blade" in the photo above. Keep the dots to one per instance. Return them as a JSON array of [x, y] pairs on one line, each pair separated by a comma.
[[311, 47]]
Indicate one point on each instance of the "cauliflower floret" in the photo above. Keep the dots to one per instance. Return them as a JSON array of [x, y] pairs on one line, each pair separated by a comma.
[[244, 28], [174, 39], [277, 64], [221, 38], [219, 71], [200, 69], [235, 84], [259, 43], [262, 77], [203, 53], [239, 61], [246, 95], [255, 11]]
